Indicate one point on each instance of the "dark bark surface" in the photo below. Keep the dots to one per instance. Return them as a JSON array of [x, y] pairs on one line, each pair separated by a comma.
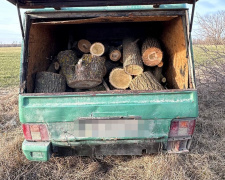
[[89, 72], [67, 60], [132, 62], [48, 82]]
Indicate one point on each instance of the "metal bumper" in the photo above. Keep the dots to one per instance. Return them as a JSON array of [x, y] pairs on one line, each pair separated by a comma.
[[107, 148], [37, 151], [41, 151]]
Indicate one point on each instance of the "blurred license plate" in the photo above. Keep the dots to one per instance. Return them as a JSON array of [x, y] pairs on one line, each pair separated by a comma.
[[108, 128]]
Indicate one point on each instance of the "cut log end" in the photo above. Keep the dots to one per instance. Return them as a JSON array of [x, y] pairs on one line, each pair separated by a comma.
[[115, 55], [119, 79], [84, 45], [152, 57], [163, 80], [133, 69], [97, 49]]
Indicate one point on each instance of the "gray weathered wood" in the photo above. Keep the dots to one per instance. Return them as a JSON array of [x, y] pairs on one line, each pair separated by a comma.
[[145, 81], [67, 60], [132, 62], [49, 82], [89, 72]]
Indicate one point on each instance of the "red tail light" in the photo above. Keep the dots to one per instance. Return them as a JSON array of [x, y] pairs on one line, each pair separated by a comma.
[[26, 132], [35, 132], [182, 128]]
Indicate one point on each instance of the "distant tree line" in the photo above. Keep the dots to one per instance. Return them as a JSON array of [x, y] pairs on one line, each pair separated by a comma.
[[10, 45], [211, 29], [13, 44], [211, 69]]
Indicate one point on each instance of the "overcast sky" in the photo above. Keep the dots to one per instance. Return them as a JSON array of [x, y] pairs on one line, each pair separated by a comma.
[[10, 29]]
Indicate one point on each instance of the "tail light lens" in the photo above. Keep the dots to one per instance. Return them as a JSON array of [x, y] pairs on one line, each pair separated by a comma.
[[26, 132], [182, 128], [35, 132]]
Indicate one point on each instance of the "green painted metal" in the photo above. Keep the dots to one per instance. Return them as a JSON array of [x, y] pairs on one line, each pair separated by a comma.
[[61, 113], [114, 8], [36, 151], [109, 129], [67, 108]]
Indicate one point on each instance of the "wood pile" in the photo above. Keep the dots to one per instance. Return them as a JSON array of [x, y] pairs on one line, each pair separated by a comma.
[[131, 64]]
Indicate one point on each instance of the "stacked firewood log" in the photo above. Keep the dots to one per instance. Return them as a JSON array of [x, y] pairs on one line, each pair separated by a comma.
[[131, 64]]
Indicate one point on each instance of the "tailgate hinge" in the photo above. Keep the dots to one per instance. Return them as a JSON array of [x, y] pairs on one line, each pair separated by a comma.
[[20, 19]]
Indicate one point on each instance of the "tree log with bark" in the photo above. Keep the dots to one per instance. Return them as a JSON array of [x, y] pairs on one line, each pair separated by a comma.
[[54, 67], [115, 53], [67, 60], [132, 62], [157, 72], [84, 45], [151, 52], [48, 82], [89, 72], [145, 81]]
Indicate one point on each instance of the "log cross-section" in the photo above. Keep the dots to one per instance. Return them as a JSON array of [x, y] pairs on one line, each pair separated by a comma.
[[115, 53], [119, 79], [132, 62], [157, 72], [97, 49], [151, 52], [84, 45]]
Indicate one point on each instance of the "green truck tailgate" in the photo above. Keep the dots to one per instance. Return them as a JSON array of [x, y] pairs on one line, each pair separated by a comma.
[[139, 115]]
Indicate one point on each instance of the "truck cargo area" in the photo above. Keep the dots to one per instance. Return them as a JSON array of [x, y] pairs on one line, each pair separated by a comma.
[[113, 121], [48, 36]]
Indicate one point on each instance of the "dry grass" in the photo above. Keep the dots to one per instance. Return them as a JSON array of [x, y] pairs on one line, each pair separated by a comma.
[[205, 161]]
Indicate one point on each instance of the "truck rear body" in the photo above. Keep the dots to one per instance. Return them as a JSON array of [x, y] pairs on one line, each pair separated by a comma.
[[116, 122]]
